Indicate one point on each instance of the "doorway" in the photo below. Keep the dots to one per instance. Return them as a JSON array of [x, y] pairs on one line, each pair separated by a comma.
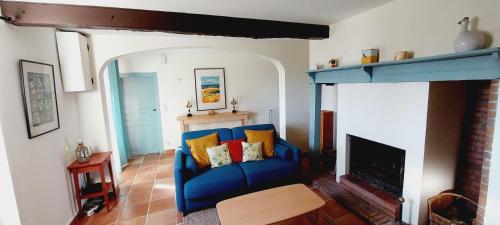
[[139, 92]]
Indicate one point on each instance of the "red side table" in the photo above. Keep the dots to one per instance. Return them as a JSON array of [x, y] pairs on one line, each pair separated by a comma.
[[97, 162]]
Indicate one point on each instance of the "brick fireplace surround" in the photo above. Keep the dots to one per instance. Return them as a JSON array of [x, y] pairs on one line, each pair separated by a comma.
[[473, 172]]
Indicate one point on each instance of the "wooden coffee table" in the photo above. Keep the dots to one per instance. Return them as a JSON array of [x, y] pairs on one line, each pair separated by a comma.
[[269, 206]]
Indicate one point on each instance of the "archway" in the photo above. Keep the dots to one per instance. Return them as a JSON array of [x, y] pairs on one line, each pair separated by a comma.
[[104, 85]]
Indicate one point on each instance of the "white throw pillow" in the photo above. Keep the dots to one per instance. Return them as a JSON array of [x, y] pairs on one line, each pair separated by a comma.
[[252, 151], [219, 155]]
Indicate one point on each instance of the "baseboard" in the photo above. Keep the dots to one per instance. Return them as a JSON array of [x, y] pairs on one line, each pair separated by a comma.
[[72, 221]]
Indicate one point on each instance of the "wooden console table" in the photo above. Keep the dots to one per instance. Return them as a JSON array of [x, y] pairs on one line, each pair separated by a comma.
[[185, 121], [98, 161]]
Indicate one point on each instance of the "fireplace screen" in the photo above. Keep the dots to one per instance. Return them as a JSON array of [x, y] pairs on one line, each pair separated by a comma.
[[379, 164]]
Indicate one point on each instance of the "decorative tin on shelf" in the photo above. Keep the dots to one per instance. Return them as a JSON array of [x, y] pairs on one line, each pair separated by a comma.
[[83, 152], [333, 63], [402, 55], [369, 56]]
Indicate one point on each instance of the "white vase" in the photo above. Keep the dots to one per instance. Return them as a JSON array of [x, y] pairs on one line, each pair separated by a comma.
[[468, 40]]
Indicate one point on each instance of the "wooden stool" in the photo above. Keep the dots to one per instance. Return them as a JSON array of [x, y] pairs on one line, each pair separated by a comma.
[[97, 162]]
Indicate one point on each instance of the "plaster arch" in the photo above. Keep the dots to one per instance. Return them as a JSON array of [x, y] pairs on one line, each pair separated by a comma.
[[104, 85], [291, 57]]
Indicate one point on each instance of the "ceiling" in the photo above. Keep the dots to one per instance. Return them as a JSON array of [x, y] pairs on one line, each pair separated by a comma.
[[323, 12]]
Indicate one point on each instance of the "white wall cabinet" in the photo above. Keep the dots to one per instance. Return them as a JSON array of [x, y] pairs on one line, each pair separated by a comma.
[[75, 62]]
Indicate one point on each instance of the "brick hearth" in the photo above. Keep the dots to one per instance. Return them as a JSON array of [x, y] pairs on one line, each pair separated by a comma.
[[360, 207], [376, 198]]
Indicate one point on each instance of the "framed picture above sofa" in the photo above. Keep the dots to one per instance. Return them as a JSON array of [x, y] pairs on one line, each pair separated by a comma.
[[210, 87], [39, 97]]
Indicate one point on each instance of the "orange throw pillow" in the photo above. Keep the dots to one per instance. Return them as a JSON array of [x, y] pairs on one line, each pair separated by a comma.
[[264, 136], [198, 148]]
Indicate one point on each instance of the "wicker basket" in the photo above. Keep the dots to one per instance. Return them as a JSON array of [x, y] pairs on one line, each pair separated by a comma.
[[451, 203]]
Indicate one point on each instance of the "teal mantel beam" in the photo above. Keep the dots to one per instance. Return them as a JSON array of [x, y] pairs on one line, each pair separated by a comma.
[[474, 65], [358, 74]]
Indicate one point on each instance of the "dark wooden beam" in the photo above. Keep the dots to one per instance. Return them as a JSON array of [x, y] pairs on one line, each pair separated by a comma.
[[94, 17]]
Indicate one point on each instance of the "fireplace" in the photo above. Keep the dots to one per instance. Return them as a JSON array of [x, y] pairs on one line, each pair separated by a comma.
[[375, 175], [382, 166], [443, 131]]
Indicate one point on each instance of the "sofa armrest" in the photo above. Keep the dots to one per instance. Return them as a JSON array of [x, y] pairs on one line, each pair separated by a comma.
[[179, 160], [282, 151], [296, 153], [180, 179]]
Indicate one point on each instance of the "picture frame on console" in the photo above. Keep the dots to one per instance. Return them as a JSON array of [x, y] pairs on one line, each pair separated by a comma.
[[39, 97], [210, 88]]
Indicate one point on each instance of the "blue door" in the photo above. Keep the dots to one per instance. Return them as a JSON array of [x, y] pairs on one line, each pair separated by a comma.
[[141, 112]]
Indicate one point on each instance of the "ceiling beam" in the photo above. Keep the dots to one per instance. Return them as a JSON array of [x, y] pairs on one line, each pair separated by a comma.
[[94, 17]]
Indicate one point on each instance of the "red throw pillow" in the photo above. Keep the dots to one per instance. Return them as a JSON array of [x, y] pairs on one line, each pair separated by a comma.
[[235, 150]]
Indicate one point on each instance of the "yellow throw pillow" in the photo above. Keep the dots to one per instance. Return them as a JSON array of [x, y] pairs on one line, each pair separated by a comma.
[[264, 136], [198, 148]]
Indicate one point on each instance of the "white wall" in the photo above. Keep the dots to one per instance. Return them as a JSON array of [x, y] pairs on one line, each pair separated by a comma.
[[393, 114], [329, 98], [10, 213], [252, 80], [41, 182], [289, 56], [492, 217]]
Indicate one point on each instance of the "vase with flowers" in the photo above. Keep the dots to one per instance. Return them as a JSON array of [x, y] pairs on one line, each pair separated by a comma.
[[189, 105], [234, 103]]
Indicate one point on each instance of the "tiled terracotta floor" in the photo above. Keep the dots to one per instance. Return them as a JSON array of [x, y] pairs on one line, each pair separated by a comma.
[[146, 196]]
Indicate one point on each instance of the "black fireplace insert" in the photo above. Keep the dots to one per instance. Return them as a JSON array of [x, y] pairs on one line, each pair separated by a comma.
[[380, 165]]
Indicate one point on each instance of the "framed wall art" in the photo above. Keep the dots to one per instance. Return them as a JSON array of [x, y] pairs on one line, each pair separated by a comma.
[[210, 86], [39, 97]]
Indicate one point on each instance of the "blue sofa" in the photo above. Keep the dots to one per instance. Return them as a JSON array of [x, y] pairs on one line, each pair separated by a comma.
[[202, 188]]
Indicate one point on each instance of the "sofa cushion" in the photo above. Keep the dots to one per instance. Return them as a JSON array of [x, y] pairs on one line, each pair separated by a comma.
[[264, 136], [239, 132], [235, 150], [198, 148], [216, 182], [252, 151], [268, 172], [224, 135], [219, 155]]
